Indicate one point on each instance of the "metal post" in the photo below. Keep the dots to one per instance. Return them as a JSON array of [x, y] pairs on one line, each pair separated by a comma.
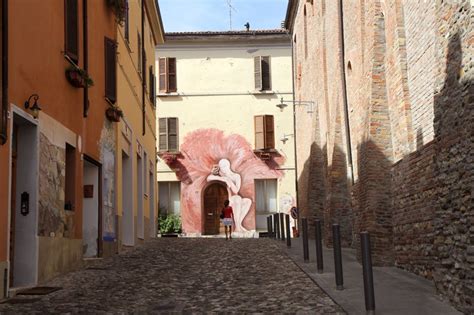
[[282, 226], [274, 225], [304, 223], [268, 226], [319, 246], [367, 272], [288, 234], [277, 218], [336, 240]]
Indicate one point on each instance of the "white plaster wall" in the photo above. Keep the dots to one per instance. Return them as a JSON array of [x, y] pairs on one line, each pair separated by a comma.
[[216, 90], [90, 214]]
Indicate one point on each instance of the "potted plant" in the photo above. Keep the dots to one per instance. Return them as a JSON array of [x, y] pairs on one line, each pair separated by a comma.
[[169, 225], [120, 8], [78, 77], [114, 113]]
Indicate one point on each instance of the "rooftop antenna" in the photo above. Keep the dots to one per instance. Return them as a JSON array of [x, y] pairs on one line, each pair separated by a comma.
[[229, 3]]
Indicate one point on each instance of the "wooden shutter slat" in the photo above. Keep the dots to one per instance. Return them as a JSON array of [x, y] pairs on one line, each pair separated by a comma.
[[172, 86], [266, 80], [162, 73], [269, 132], [71, 30], [173, 134], [163, 134], [110, 70], [259, 122], [258, 72]]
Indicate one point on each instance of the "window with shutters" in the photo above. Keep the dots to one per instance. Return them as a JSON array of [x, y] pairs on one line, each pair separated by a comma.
[[167, 75], [127, 22], [264, 132], [71, 31], [110, 70], [168, 134], [139, 53], [169, 201], [266, 195], [152, 87], [262, 73]]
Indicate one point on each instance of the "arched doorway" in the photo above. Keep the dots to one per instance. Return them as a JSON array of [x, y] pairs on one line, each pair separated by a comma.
[[213, 202]]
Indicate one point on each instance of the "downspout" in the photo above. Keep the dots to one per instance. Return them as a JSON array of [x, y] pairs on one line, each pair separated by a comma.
[[344, 92], [143, 68], [85, 43], [4, 111], [294, 121]]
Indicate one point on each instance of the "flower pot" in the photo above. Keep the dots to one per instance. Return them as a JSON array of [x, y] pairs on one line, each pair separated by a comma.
[[112, 114], [75, 78]]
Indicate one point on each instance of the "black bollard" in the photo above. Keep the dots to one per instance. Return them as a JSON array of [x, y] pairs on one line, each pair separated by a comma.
[[336, 240], [277, 218], [282, 226], [288, 235], [319, 246], [367, 272], [304, 223], [268, 227], [274, 226]]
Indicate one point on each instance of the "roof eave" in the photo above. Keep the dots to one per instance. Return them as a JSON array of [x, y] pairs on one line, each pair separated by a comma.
[[291, 14], [154, 17]]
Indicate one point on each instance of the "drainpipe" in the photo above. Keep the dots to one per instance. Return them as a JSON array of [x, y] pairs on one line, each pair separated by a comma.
[[143, 68], [85, 43], [4, 110], [344, 92]]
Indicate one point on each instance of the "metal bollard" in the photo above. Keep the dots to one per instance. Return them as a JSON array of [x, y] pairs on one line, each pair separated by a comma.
[[304, 223], [277, 218], [268, 227], [319, 246], [336, 240], [282, 226], [367, 272], [288, 235], [274, 225]]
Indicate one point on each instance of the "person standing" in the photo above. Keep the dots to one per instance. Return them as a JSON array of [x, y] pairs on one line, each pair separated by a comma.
[[228, 219]]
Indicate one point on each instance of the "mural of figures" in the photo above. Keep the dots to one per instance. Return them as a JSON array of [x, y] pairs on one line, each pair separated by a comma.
[[208, 155], [241, 206]]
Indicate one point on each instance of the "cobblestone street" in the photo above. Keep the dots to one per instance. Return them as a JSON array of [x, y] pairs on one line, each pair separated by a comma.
[[187, 275]]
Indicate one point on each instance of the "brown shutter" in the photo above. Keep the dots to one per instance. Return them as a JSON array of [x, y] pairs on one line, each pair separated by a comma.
[[144, 68], [110, 70], [266, 82], [162, 69], [172, 134], [71, 30], [269, 132], [139, 53], [151, 92], [163, 134], [258, 72], [259, 122], [172, 75]]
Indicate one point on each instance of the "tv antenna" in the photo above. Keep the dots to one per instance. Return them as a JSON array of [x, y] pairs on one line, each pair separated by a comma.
[[231, 8]]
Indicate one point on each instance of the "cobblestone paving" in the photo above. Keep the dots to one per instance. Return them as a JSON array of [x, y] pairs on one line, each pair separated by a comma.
[[187, 275]]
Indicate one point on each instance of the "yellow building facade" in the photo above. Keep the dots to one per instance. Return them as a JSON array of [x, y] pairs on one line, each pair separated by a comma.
[[221, 135], [142, 29]]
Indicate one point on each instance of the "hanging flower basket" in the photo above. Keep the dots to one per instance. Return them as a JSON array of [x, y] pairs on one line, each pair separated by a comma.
[[114, 113], [78, 77], [120, 8]]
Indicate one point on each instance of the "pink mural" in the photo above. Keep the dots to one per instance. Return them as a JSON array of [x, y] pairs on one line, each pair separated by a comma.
[[209, 155]]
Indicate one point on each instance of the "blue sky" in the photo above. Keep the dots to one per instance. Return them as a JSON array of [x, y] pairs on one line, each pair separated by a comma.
[[213, 15]]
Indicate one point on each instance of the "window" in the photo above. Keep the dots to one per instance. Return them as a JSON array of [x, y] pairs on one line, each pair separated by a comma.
[[70, 178], [266, 195], [264, 132], [127, 22], [110, 70], [71, 31], [152, 87], [168, 129], [169, 198], [144, 69], [262, 73], [139, 53], [167, 75]]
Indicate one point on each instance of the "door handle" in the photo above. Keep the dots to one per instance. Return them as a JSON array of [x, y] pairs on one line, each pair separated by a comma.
[[210, 213]]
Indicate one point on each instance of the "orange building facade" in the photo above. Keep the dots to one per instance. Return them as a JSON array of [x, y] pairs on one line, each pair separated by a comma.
[[57, 164]]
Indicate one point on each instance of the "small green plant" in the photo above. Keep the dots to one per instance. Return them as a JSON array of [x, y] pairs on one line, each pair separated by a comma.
[[170, 223]]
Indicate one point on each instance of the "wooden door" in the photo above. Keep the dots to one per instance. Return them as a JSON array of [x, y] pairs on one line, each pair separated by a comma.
[[13, 201], [214, 197]]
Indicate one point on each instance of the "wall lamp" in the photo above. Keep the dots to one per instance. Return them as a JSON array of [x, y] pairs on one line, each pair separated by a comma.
[[35, 109], [309, 104], [284, 138]]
